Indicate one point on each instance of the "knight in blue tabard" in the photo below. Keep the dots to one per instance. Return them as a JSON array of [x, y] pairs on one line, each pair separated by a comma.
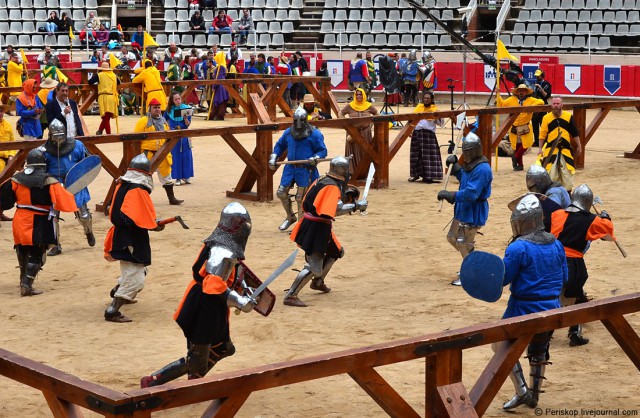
[[409, 71], [302, 142], [62, 153]]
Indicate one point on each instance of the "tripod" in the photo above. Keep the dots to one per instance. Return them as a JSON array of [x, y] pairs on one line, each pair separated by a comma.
[[388, 110]]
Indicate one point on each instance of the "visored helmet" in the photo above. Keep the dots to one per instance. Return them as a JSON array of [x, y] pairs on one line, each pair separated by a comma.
[[471, 147]]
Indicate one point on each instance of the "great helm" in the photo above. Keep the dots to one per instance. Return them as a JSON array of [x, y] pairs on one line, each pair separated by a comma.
[[300, 128], [141, 163], [57, 132], [471, 147], [538, 179], [527, 216], [582, 197], [339, 168]]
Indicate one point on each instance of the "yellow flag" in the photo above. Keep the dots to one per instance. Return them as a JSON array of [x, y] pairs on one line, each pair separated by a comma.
[[114, 61], [149, 41], [24, 57], [71, 35], [503, 53], [61, 76]]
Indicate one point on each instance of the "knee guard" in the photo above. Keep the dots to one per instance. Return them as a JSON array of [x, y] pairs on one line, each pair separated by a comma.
[[287, 204], [300, 281], [299, 197], [197, 359]]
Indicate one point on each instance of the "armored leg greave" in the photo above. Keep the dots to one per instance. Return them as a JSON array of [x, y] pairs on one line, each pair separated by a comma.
[[523, 395], [318, 282], [283, 194], [26, 284], [203, 357], [299, 197], [168, 373], [301, 281], [23, 258], [538, 354], [57, 249], [84, 217]]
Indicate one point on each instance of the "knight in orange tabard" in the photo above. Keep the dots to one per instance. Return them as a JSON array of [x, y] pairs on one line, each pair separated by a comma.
[[36, 194]]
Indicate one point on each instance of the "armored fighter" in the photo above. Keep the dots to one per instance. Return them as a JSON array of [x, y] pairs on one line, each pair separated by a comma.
[[471, 209], [427, 72], [62, 152], [327, 198], [203, 313], [36, 194], [410, 78], [301, 142], [539, 181]]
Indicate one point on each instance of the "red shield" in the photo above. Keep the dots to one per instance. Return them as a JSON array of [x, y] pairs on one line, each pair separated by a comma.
[[266, 299]]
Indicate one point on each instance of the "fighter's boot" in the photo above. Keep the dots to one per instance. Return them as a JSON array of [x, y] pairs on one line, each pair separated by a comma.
[[55, 250], [523, 395], [172, 198], [26, 285], [514, 163], [291, 298], [317, 283], [287, 223], [84, 217], [457, 281], [4, 217], [112, 313], [575, 336], [538, 365], [166, 374]]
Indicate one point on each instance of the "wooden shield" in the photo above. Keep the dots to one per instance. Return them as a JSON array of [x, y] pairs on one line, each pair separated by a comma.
[[266, 300], [482, 275]]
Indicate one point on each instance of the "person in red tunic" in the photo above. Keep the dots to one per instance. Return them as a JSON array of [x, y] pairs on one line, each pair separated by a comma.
[[133, 215], [203, 312], [36, 194]]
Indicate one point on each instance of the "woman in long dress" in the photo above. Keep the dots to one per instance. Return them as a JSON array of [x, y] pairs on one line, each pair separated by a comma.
[[182, 165], [424, 154], [357, 108]]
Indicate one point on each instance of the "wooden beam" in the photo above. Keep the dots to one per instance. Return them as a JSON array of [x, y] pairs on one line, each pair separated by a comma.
[[226, 407], [503, 130], [382, 393], [580, 119], [496, 372], [454, 402], [595, 123], [61, 408], [625, 336], [401, 137], [109, 166]]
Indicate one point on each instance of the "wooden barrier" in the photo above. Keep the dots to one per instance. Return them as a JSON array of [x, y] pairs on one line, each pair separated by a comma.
[[265, 96], [445, 394]]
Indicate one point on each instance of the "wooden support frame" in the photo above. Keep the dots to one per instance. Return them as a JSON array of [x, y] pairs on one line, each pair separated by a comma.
[[445, 394]]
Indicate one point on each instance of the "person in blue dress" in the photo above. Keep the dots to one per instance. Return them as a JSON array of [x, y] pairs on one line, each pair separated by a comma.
[[178, 115]]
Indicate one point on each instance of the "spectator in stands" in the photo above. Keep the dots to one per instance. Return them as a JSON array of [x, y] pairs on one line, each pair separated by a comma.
[[125, 56], [209, 4], [196, 23], [104, 54], [53, 23], [271, 68], [245, 26], [46, 56], [90, 25], [194, 5], [173, 52], [66, 23], [261, 64], [221, 23], [138, 36], [233, 52], [116, 37], [29, 108], [283, 68], [542, 91], [102, 35]]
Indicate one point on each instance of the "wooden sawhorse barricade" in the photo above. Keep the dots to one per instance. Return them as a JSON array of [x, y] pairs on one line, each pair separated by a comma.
[[445, 394]]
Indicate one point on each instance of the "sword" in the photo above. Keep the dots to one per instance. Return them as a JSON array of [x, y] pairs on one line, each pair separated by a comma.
[[173, 219], [277, 272], [367, 186]]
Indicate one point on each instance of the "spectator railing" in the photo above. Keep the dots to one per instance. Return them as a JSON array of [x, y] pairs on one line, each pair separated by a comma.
[[502, 17]]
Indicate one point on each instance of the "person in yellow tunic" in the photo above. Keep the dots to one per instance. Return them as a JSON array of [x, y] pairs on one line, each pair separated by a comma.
[[151, 84], [14, 75], [154, 122], [521, 135], [559, 144], [107, 96], [46, 86], [6, 135]]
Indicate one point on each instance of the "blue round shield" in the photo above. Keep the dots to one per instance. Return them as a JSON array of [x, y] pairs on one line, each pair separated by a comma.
[[482, 275]]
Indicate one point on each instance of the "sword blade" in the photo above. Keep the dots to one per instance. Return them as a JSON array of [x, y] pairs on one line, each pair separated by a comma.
[[372, 172], [284, 266]]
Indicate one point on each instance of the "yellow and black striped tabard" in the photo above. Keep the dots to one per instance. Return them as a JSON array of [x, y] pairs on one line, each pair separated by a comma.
[[549, 129]]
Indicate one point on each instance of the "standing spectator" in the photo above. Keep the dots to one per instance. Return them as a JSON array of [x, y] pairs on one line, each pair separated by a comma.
[[173, 74], [46, 92], [470, 206], [196, 23], [424, 158], [283, 68], [558, 132], [53, 23], [172, 52], [220, 95], [232, 69], [520, 136], [542, 90], [66, 23], [358, 75], [29, 108], [104, 54], [66, 111], [8, 53], [233, 52], [138, 36], [261, 64], [107, 96], [310, 106], [358, 107], [250, 66], [91, 23], [221, 23], [371, 68], [245, 25], [133, 215], [15, 70], [409, 70], [151, 84], [295, 70], [271, 69], [178, 115]]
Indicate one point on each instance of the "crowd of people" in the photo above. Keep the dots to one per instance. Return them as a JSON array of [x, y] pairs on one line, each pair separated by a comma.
[[556, 221]]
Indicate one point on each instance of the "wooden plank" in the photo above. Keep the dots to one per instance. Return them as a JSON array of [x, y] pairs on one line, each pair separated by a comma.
[[226, 407], [161, 154], [258, 107], [107, 164], [382, 393], [61, 408], [381, 141], [496, 372], [595, 123], [485, 132], [503, 130], [241, 152], [454, 402], [580, 119], [625, 336]]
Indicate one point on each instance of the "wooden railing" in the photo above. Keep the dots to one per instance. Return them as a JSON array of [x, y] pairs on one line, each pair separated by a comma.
[[446, 396]]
